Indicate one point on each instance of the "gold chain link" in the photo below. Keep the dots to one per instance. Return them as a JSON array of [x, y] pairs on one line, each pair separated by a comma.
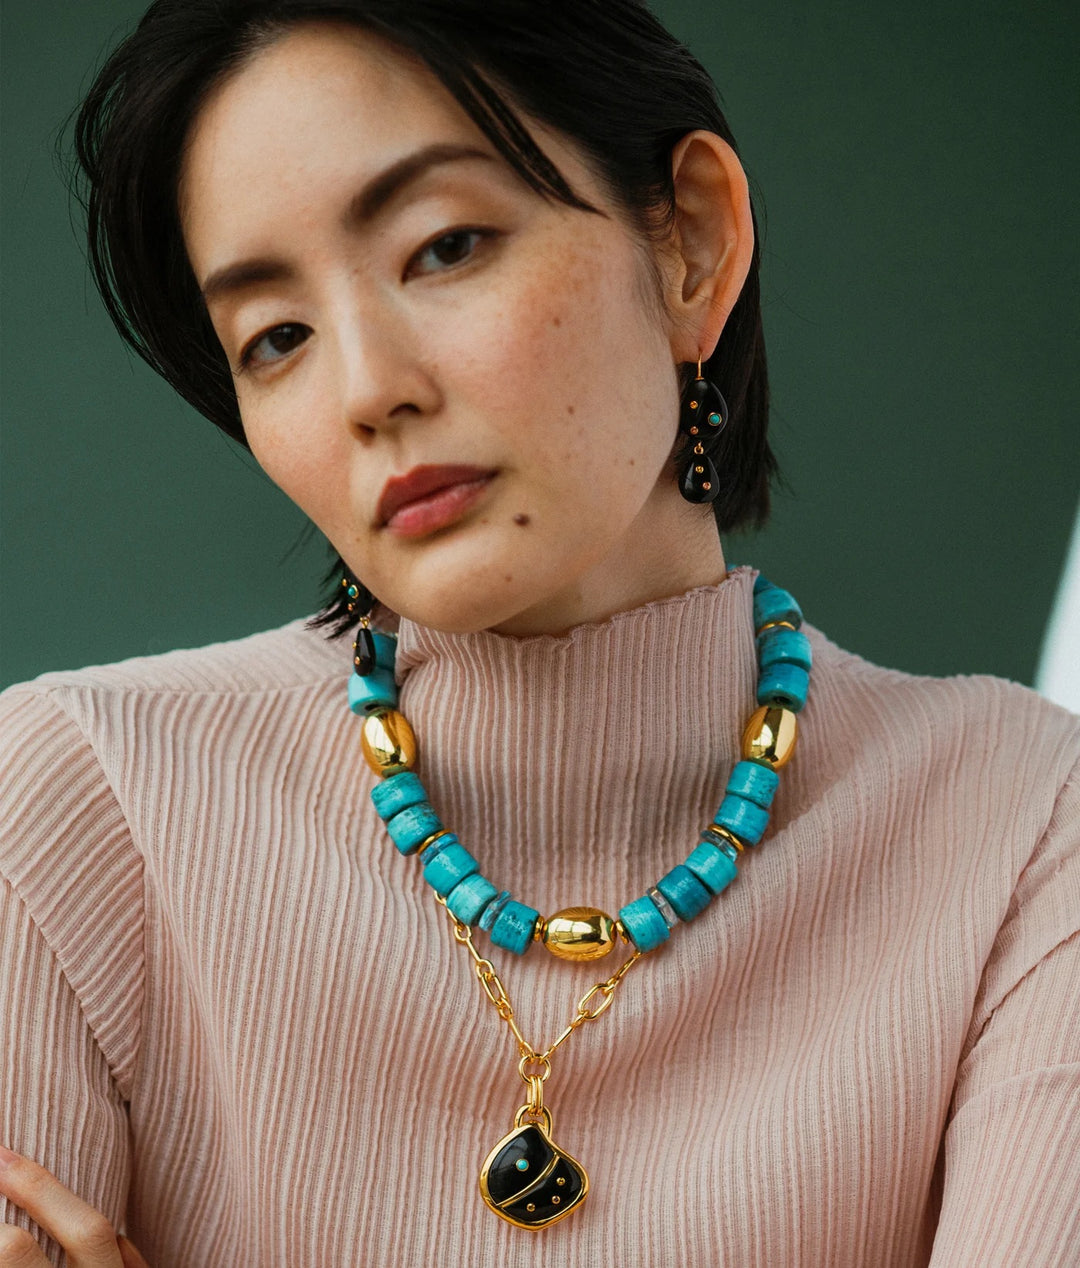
[[496, 992]]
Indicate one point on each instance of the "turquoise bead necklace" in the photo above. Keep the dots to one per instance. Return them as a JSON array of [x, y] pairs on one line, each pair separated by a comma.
[[527, 1179]]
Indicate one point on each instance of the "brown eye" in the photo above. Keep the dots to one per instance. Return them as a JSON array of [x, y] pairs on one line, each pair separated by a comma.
[[278, 340], [447, 251]]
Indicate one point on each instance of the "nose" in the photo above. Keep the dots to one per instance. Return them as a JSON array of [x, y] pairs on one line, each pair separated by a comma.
[[381, 374]]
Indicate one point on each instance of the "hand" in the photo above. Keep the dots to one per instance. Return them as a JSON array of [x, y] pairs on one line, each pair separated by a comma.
[[85, 1234]]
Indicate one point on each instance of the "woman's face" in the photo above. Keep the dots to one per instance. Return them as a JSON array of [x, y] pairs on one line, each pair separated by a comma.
[[391, 295]]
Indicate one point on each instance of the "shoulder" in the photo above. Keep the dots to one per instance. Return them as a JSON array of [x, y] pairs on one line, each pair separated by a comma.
[[896, 701], [959, 741], [271, 660], [107, 729]]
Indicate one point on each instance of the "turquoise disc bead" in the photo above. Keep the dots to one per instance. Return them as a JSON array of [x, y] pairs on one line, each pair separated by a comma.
[[385, 650], [644, 925], [397, 792], [784, 685], [469, 897], [448, 867], [514, 927], [411, 827], [491, 912], [747, 820], [789, 647], [366, 694], [755, 782], [773, 604], [715, 869], [684, 891], [437, 847]]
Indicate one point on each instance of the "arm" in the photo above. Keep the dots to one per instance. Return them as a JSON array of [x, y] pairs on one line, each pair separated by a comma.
[[1011, 1179], [71, 949]]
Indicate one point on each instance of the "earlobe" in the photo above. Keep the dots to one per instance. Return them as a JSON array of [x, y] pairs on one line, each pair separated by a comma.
[[713, 239]]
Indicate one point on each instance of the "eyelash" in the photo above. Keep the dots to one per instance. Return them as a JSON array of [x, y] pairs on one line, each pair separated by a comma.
[[247, 360]]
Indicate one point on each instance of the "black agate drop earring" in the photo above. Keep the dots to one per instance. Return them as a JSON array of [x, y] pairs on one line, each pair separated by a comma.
[[360, 599], [703, 416]]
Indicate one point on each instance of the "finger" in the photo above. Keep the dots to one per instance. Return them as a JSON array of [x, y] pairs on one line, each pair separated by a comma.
[[19, 1249], [83, 1232], [128, 1253]]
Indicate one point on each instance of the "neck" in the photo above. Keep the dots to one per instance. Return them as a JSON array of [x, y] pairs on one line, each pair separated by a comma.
[[657, 560]]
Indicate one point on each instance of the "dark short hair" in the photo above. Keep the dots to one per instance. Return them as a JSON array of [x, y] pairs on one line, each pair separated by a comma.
[[605, 73]]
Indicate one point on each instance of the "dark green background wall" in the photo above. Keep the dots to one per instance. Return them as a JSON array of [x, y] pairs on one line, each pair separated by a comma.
[[919, 172]]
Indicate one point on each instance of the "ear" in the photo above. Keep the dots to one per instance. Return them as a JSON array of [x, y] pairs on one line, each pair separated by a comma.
[[712, 242]]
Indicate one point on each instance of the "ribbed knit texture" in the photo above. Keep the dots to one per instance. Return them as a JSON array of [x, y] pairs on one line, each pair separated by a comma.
[[233, 1018]]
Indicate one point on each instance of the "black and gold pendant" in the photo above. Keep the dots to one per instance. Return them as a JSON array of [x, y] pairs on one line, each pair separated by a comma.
[[528, 1179]]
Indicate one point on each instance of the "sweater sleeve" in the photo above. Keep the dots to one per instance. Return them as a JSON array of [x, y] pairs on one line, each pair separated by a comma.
[[1011, 1181], [71, 946]]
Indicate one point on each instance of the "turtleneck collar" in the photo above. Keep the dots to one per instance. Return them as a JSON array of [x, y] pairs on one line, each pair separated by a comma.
[[576, 757]]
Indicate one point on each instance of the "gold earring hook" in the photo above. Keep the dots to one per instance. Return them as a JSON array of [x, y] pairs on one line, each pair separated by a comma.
[[699, 365]]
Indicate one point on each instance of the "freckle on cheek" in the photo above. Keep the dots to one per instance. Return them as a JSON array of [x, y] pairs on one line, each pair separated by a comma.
[[556, 321], [569, 409], [521, 518], [508, 577]]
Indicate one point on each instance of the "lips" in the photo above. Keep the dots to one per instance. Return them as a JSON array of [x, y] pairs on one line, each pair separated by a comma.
[[419, 483]]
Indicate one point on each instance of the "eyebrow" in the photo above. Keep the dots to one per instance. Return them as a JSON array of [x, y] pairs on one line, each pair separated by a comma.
[[372, 200]]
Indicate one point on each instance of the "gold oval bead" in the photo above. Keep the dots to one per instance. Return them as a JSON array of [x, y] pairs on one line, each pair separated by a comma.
[[770, 735], [579, 933], [388, 742]]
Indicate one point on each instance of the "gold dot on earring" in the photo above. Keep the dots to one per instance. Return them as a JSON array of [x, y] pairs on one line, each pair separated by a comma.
[[531, 1206], [693, 431], [560, 1181], [693, 404], [699, 470], [706, 485], [556, 1200]]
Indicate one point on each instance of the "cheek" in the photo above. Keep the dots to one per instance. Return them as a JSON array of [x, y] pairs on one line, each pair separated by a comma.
[[290, 454], [548, 356]]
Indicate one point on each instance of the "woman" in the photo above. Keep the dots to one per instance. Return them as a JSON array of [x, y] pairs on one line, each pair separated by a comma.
[[459, 277]]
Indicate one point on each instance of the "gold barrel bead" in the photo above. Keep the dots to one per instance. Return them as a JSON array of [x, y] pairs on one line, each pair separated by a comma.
[[770, 735], [388, 742], [579, 933]]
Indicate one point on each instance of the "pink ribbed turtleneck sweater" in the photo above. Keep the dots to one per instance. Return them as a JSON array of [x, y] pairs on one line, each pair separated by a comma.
[[235, 1020]]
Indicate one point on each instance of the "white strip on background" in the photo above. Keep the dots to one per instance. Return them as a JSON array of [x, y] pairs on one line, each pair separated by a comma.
[[1058, 678]]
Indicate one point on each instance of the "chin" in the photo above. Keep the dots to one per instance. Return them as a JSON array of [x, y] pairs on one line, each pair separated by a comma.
[[455, 616]]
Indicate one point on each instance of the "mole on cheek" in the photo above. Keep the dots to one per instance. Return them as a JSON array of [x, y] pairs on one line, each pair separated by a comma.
[[521, 518], [569, 409]]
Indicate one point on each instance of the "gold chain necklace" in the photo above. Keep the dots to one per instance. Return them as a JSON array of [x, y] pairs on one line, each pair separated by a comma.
[[560, 1183]]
